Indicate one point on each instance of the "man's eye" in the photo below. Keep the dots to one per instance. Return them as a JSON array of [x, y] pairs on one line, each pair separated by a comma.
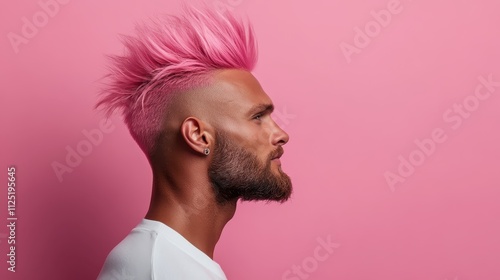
[[257, 117]]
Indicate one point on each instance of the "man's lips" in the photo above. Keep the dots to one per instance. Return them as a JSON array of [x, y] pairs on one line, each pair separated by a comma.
[[278, 154], [276, 157]]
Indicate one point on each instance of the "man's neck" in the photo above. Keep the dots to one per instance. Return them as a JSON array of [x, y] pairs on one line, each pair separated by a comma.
[[195, 214]]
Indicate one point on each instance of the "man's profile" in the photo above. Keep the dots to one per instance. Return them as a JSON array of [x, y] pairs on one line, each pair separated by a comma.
[[189, 99]]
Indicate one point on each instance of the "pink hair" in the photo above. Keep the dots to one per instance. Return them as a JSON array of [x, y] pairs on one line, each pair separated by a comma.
[[173, 53]]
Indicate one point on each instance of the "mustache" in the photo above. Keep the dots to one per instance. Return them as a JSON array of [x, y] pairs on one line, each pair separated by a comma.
[[276, 153]]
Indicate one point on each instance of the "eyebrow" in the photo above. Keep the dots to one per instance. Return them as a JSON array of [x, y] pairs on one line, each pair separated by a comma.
[[262, 108]]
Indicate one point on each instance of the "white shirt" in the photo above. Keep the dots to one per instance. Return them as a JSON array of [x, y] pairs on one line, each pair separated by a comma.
[[154, 251]]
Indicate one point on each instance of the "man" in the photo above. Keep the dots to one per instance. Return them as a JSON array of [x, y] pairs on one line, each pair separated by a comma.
[[189, 99]]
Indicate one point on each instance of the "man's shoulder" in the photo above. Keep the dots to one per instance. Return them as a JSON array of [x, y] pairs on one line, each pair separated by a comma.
[[153, 249], [131, 258]]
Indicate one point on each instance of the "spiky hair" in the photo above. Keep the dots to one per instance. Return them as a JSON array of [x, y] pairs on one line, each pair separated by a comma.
[[171, 54]]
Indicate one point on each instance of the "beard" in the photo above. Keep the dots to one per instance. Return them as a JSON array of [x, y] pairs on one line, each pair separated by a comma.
[[237, 173]]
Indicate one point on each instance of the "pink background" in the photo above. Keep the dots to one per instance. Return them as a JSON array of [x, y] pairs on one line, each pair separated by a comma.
[[350, 118]]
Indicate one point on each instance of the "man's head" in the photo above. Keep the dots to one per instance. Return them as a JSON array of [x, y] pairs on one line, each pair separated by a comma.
[[185, 87]]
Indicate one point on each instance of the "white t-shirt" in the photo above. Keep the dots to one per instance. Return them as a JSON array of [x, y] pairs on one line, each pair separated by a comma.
[[153, 250]]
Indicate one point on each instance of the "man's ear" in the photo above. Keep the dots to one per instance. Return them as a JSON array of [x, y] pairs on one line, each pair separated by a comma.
[[197, 134]]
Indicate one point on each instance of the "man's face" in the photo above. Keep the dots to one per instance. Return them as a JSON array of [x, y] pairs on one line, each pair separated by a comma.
[[248, 143]]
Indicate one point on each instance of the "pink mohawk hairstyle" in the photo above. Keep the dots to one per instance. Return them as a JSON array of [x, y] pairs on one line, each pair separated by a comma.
[[172, 54]]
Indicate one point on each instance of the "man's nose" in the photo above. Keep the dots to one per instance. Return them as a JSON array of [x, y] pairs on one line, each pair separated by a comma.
[[280, 137]]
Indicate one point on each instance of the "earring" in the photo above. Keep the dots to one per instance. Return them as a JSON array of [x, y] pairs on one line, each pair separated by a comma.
[[206, 151]]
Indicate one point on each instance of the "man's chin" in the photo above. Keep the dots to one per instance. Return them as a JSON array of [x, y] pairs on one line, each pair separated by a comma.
[[282, 196], [272, 199]]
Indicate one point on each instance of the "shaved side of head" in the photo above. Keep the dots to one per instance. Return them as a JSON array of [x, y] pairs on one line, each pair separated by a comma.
[[169, 56]]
